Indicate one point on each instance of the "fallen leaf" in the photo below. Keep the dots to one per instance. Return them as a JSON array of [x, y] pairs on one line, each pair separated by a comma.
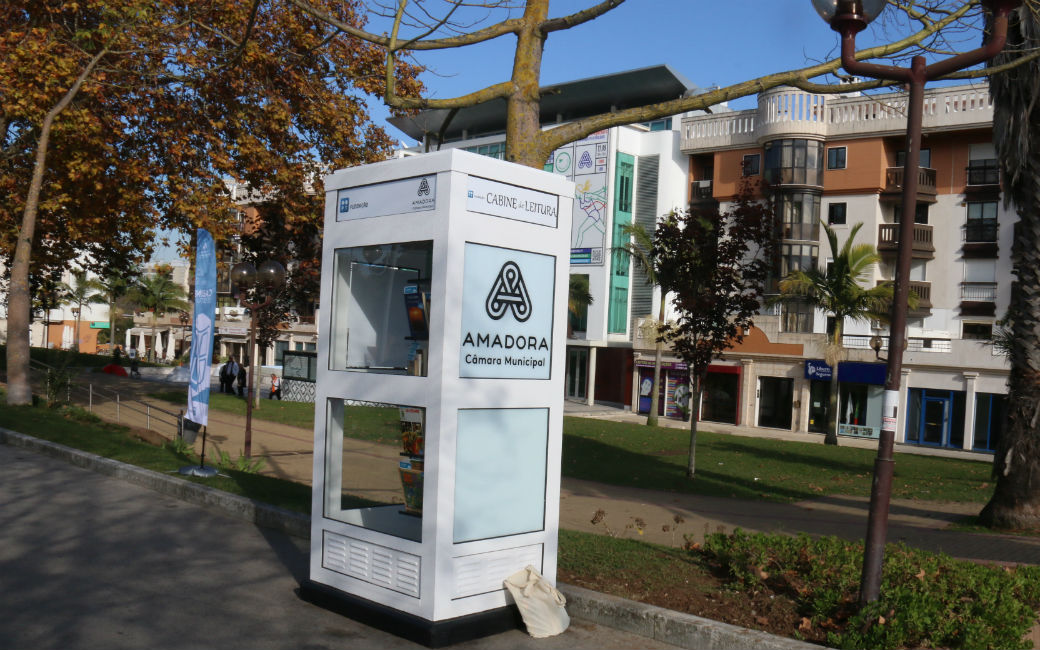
[[806, 624], [920, 575], [762, 620], [881, 620], [764, 575]]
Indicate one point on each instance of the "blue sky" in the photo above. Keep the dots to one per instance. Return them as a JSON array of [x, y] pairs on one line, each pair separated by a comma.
[[709, 42]]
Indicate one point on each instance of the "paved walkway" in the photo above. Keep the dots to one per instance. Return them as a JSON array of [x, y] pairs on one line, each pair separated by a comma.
[[89, 561], [288, 451]]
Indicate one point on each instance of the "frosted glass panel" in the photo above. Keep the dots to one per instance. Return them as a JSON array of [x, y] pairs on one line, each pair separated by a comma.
[[500, 472]]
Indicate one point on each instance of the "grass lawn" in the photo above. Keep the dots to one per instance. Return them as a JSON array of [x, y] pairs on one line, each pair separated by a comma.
[[621, 453], [755, 468], [730, 582]]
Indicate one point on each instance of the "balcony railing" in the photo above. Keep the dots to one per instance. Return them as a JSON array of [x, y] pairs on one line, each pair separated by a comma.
[[888, 239], [913, 344], [979, 291], [981, 230], [923, 291], [925, 180], [701, 190], [784, 111], [983, 172]]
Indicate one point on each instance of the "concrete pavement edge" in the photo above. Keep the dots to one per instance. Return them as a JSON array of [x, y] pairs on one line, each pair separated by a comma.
[[668, 626]]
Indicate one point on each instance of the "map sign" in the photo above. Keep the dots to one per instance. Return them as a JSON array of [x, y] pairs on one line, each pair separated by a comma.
[[585, 163]]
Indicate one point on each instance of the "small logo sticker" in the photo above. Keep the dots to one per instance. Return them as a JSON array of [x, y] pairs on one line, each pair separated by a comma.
[[344, 204], [424, 187]]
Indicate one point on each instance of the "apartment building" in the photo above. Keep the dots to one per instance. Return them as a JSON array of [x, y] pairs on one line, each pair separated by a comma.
[[622, 175], [839, 160]]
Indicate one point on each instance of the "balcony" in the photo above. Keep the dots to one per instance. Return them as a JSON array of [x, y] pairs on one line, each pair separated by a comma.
[[702, 195], [888, 240], [925, 184], [923, 291], [980, 239], [978, 298]]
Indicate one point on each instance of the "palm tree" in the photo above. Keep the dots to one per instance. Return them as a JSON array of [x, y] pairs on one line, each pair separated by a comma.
[[838, 292], [82, 291], [1016, 133], [157, 293], [639, 249], [114, 286]]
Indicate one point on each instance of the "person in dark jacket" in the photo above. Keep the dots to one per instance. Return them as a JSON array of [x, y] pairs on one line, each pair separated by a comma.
[[242, 378]]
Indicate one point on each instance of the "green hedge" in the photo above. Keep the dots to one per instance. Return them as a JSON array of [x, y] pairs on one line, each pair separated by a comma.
[[927, 600]]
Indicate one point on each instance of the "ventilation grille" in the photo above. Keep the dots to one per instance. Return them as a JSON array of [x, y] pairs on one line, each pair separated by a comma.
[[372, 563], [484, 572]]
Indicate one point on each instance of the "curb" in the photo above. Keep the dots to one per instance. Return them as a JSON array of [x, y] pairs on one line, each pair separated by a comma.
[[665, 625]]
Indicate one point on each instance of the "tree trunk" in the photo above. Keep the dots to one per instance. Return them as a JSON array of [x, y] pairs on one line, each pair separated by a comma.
[[651, 420], [832, 422], [523, 109], [1016, 464], [79, 318], [696, 385], [19, 305]]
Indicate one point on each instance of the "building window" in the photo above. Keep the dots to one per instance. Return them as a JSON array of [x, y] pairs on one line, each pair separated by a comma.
[[663, 124], [981, 225], [836, 157], [920, 213], [493, 150], [983, 172], [796, 316], [794, 162], [751, 165], [797, 257], [800, 214], [836, 214], [990, 415], [578, 312], [977, 331], [279, 349], [925, 161]]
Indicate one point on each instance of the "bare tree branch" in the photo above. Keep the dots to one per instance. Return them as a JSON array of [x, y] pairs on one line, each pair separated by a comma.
[[566, 22]]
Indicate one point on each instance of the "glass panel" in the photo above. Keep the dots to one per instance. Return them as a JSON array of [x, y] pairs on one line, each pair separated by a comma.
[[490, 502], [374, 466], [381, 308], [719, 401], [934, 421], [913, 416], [819, 405], [775, 402]]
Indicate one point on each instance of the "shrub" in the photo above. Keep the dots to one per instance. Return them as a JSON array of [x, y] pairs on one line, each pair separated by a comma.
[[927, 600]]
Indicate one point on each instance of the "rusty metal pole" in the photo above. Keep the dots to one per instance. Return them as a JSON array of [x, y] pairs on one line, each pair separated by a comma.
[[848, 22]]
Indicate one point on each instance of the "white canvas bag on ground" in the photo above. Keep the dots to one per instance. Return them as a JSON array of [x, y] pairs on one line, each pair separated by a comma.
[[541, 604]]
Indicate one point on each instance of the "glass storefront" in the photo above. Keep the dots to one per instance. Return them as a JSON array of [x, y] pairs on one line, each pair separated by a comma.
[[721, 397], [775, 401], [935, 417]]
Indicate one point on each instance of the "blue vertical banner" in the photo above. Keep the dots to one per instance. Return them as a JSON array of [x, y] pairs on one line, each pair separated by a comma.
[[202, 329]]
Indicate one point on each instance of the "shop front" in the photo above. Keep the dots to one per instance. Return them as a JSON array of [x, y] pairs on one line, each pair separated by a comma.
[[673, 396], [860, 396]]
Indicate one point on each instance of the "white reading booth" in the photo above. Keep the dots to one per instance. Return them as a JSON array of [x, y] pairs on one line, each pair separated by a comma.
[[439, 396]]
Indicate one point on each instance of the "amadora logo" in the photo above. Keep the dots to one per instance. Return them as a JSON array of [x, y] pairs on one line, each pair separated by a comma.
[[509, 293], [424, 187]]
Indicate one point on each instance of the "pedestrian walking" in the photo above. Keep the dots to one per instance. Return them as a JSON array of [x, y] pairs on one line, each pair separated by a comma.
[[276, 387], [134, 370]]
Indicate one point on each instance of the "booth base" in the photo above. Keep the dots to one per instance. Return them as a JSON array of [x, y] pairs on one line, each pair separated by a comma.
[[432, 634]]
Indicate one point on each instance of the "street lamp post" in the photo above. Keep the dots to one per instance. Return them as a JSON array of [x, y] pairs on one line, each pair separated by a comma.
[[849, 17], [267, 280]]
